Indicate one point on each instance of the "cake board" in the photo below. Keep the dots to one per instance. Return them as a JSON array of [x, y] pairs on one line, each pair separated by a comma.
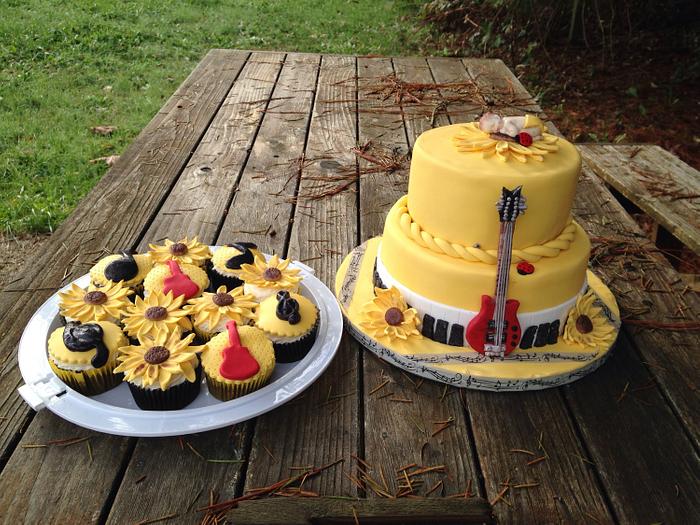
[[532, 369]]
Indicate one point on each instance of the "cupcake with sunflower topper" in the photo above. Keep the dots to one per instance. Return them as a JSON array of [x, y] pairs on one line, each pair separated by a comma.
[[187, 280], [163, 373], [265, 278], [237, 362], [290, 321], [588, 323], [184, 251], [84, 356], [127, 267], [212, 311], [158, 313], [108, 303], [388, 318], [226, 264]]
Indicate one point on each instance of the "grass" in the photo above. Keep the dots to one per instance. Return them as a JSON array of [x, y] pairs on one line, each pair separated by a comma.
[[68, 66]]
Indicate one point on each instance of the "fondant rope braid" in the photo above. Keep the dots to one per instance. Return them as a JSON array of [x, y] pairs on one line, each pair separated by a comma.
[[530, 254]]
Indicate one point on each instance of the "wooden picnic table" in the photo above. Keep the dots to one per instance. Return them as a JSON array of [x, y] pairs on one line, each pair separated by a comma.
[[304, 154]]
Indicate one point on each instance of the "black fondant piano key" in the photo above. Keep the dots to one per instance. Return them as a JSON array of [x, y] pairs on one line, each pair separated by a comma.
[[553, 333], [440, 331], [456, 335], [428, 326], [542, 335], [528, 338]]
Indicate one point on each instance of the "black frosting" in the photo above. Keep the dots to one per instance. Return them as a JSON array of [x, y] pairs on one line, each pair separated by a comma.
[[245, 257], [83, 338], [122, 269], [287, 308]]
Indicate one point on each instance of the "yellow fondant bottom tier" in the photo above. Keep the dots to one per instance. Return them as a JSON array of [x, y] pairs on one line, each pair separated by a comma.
[[458, 283]]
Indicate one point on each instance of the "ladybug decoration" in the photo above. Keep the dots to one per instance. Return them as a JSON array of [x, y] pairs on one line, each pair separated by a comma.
[[525, 268]]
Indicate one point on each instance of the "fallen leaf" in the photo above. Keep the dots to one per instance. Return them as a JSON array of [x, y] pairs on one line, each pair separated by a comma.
[[107, 160], [103, 130]]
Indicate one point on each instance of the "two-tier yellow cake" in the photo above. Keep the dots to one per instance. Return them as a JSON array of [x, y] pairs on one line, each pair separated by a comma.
[[480, 278]]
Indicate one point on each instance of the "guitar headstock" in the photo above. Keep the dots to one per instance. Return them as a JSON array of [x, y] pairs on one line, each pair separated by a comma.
[[511, 204]]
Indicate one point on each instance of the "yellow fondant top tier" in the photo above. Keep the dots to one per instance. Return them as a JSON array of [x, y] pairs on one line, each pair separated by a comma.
[[452, 194]]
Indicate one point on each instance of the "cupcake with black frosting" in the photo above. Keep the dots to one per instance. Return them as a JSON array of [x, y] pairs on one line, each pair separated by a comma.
[[227, 261], [84, 356], [163, 373], [290, 321], [129, 268], [184, 251]]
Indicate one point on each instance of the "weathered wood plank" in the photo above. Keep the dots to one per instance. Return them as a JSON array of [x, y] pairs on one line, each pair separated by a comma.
[[566, 489], [401, 433], [188, 211], [60, 483], [323, 511], [657, 181], [321, 426], [133, 188]]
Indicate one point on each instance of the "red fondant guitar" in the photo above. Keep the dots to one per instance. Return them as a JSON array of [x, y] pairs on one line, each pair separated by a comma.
[[495, 330], [179, 283], [237, 362]]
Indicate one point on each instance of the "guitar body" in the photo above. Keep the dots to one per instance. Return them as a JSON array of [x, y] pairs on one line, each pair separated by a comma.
[[481, 330]]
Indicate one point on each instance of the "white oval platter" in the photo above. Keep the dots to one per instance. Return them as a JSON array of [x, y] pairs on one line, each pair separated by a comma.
[[115, 411]]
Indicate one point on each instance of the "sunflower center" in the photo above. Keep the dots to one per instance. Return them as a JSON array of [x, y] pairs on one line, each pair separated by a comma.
[[178, 248], [222, 299], [95, 297], [584, 324], [272, 274], [156, 355], [156, 313], [393, 316]]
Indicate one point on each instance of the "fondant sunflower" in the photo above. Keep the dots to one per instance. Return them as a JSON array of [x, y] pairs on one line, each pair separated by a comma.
[[156, 313], [388, 316], [210, 309], [473, 139], [587, 324], [274, 274], [107, 303], [156, 361], [187, 251]]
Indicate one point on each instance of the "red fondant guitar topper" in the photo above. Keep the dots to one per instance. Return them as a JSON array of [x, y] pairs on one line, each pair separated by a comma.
[[238, 364], [179, 283], [495, 330]]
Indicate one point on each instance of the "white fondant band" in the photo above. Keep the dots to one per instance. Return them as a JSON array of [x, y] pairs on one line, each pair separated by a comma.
[[462, 317]]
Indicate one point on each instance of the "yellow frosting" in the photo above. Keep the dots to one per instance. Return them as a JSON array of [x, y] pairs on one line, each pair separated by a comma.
[[602, 331], [255, 273], [77, 303], [181, 361], [273, 325], [194, 253], [223, 254], [459, 283], [254, 340], [139, 326], [113, 338], [156, 277], [471, 139], [205, 310], [143, 261], [374, 317], [452, 195]]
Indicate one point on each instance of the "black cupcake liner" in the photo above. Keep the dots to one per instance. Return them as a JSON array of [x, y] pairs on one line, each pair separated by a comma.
[[217, 279], [173, 398], [295, 350]]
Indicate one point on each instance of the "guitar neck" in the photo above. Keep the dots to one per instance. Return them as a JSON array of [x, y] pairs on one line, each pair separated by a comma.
[[505, 246]]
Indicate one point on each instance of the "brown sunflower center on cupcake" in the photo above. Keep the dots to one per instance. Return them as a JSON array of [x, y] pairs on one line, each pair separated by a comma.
[[272, 274], [156, 355], [222, 299], [95, 297], [179, 248], [156, 313]]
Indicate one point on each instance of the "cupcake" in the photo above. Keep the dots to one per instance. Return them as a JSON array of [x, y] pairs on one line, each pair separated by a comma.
[[227, 261], [265, 278], [84, 356], [237, 362], [187, 280], [108, 303], [212, 311], [184, 251], [157, 313], [163, 373], [290, 321], [131, 269]]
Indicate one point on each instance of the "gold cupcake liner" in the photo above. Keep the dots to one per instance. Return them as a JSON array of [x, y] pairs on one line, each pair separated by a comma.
[[226, 392], [89, 382]]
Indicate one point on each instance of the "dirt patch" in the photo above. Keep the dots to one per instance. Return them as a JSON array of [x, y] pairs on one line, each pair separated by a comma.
[[15, 252]]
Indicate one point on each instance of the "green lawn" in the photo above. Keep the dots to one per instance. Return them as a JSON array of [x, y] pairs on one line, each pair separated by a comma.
[[68, 66]]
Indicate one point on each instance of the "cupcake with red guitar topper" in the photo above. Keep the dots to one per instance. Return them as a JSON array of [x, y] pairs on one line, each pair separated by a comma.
[[181, 279], [238, 361]]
